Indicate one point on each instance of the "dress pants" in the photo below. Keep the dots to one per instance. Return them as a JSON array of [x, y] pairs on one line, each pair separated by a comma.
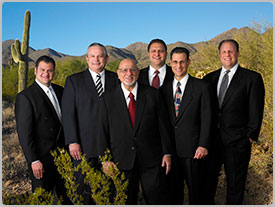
[[50, 181], [84, 189], [236, 159], [153, 184], [193, 172]]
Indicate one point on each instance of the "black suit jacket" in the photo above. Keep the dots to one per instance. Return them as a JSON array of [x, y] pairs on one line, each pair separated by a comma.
[[38, 126], [241, 113], [148, 141], [144, 76], [80, 110], [192, 126]]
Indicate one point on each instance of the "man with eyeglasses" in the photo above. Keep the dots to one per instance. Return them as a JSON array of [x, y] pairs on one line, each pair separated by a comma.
[[133, 126]]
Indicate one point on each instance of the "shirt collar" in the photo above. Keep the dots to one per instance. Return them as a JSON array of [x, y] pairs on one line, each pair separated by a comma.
[[94, 74], [44, 88], [126, 92], [183, 81], [161, 70], [232, 70]]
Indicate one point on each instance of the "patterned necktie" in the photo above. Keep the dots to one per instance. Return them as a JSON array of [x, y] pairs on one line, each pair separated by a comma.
[[177, 98], [223, 87], [132, 108], [156, 81], [98, 86], [54, 102]]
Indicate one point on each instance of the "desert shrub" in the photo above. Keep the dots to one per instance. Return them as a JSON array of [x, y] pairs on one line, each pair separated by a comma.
[[98, 181]]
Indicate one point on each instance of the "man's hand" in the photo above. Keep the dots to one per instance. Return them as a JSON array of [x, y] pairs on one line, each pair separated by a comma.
[[166, 161], [107, 168], [75, 151], [38, 170], [201, 152]]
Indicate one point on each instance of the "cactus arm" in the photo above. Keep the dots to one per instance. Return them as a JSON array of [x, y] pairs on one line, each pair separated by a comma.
[[15, 51], [25, 40]]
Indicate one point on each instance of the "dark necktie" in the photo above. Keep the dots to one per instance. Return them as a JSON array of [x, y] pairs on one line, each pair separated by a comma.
[[132, 108], [98, 86], [223, 87], [156, 81], [177, 99]]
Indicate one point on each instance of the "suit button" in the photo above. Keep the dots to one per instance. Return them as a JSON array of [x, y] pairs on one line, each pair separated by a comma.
[[51, 129], [176, 127], [133, 148], [220, 114]]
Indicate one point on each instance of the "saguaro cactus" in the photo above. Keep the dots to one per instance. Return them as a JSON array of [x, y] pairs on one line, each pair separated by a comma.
[[20, 54]]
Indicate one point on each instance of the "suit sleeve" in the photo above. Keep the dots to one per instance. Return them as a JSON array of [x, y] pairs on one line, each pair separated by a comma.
[[25, 125], [206, 116], [164, 126], [69, 113], [256, 107], [103, 135]]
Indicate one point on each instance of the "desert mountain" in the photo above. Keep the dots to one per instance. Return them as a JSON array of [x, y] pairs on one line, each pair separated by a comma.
[[137, 51]]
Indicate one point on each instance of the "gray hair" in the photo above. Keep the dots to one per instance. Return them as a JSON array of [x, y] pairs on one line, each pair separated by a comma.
[[98, 45]]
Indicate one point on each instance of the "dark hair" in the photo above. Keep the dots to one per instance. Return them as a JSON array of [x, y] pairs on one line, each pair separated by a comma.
[[229, 40], [45, 59], [180, 50], [157, 41], [99, 45]]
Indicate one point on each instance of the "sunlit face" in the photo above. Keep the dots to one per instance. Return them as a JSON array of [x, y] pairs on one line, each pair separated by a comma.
[[44, 73], [157, 55], [128, 73], [96, 58], [179, 64], [229, 55]]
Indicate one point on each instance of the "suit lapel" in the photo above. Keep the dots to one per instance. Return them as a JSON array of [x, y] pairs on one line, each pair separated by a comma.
[[170, 100], [109, 81], [187, 97], [45, 100], [233, 86], [90, 82], [122, 107], [140, 103]]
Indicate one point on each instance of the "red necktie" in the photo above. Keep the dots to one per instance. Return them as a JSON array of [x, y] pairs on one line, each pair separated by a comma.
[[132, 108], [156, 82]]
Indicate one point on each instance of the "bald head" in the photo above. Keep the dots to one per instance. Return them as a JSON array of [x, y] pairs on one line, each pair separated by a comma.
[[128, 73]]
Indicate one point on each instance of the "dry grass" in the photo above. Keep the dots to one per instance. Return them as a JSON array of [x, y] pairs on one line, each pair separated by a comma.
[[259, 187]]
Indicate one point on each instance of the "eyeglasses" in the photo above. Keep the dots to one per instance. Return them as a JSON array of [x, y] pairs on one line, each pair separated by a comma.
[[125, 70]]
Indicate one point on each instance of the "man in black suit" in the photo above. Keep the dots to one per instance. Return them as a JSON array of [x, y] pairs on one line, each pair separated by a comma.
[[38, 122], [134, 128], [189, 104], [239, 103], [157, 72], [80, 107]]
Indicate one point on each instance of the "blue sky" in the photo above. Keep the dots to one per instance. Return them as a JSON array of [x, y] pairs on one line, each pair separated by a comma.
[[69, 27]]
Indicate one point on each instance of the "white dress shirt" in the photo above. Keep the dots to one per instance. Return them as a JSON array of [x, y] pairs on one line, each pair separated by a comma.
[[126, 93], [46, 89], [102, 74], [230, 76], [182, 86], [151, 74]]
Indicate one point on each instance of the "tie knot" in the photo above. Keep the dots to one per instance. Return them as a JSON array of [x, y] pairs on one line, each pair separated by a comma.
[[226, 72], [98, 76], [131, 96], [178, 84], [156, 72]]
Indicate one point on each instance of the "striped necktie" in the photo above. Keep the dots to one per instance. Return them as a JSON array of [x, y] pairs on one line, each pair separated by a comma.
[[177, 99], [99, 87], [223, 87], [156, 81]]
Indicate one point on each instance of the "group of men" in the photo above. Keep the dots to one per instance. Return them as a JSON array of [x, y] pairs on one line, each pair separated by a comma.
[[162, 125]]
